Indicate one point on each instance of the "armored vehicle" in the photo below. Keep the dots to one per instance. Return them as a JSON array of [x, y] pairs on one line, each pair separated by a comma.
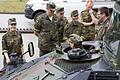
[[102, 64], [56, 65]]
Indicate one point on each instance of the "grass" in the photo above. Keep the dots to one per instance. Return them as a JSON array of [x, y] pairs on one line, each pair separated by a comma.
[[12, 6]]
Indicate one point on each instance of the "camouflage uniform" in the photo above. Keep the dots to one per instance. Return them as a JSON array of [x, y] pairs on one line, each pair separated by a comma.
[[47, 30], [63, 22], [74, 27], [101, 27], [12, 43], [62, 28], [75, 42], [88, 31], [48, 33]]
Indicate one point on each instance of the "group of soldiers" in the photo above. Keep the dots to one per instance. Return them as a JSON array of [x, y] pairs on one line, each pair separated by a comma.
[[53, 28]]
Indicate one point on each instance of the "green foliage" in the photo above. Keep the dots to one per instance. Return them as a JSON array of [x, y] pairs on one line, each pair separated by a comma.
[[12, 6]]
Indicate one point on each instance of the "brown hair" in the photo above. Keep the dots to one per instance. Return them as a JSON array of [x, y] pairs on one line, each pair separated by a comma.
[[104, 10]]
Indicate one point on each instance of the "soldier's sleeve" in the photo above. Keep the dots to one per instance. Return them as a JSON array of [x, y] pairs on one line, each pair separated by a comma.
[[105, 30], [21, 40], [95, 14], [81, 28], [65, 27], [4, 45], [67, 21], [81, 16], [68, 30], [37, 25]]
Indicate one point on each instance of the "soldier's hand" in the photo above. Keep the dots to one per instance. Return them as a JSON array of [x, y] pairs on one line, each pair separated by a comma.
[[7, 60], [90, 11], [83, 38], [6, 57], [65, 38]]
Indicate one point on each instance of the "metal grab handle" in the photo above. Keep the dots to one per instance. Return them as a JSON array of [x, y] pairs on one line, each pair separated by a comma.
[[47, 73]]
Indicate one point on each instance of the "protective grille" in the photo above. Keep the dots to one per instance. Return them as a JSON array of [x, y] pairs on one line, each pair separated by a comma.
[[72, 66]]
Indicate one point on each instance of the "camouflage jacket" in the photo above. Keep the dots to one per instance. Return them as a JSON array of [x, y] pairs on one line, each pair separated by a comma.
[[88, 31], [62, 28], [12, 42], [48, 31], [102, 30], [74, 28]]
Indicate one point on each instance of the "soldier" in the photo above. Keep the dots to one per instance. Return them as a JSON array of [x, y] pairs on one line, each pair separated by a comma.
[[76, 51], [74, 27], [46, 29], [103, 22], [88, 22], [12, 43], [63, 23], [75, 41]]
